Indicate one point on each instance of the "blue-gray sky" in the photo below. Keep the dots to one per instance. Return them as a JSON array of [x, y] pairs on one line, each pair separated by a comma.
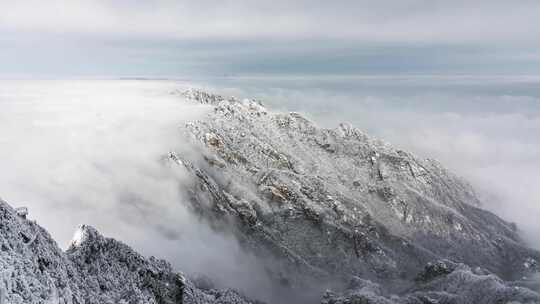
[[165, 38]]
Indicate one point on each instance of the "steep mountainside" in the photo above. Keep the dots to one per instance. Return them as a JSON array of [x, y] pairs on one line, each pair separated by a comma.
[[95, 269], [333, 204]]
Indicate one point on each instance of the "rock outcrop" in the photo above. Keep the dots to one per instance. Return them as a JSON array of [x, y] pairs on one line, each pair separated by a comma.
[[442, 282], [95, 269]]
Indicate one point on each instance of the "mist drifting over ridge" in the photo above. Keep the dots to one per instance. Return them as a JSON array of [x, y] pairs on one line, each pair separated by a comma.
[[93, 153], [475, 128], [482, 127], [485, 132]]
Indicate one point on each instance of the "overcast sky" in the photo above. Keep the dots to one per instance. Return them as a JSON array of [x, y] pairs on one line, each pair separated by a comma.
[[164, 38]]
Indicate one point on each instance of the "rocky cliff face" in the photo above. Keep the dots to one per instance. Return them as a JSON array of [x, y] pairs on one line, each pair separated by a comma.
[[95, 269], [331, 204]]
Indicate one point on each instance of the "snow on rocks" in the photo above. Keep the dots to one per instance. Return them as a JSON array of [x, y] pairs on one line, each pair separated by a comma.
[[382, 198], [84, 233], [324, 205], [440, 282], [94, 270], [22, 212]]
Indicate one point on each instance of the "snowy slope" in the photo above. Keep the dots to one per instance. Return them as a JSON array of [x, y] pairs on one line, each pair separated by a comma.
[[331, 204], [95, 269]]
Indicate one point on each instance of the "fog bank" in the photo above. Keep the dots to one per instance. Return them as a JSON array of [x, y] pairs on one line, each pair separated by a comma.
[[93, 152]]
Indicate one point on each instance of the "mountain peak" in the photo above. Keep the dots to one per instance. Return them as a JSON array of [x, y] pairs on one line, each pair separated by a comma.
[[85, 234]]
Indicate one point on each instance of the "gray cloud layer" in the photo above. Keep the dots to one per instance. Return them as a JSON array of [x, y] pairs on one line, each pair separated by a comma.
[[390, 21], [163, 38]]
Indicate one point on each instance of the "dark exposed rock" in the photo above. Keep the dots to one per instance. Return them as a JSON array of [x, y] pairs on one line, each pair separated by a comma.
[[434, 270]]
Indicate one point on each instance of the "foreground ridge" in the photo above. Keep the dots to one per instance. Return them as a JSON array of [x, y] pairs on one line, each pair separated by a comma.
[[95, 269]]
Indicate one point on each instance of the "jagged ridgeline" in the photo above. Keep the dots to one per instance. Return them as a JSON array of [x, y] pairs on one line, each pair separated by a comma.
[[321, 207], [94, 269], [336, 204]]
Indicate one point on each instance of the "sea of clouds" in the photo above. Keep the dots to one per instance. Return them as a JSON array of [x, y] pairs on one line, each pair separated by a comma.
[[91, 151]]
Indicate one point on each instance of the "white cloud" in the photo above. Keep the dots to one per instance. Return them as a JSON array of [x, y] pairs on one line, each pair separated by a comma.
[[92, 152]]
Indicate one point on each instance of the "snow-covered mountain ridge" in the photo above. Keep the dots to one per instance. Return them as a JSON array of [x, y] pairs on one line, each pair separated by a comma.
[[321, 209], [335, 203]]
